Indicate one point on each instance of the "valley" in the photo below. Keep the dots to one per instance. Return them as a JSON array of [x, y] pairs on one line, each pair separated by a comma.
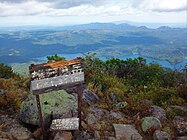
[[107, 40]]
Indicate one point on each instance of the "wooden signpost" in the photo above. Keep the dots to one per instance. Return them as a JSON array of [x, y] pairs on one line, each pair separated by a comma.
[[58, 75]]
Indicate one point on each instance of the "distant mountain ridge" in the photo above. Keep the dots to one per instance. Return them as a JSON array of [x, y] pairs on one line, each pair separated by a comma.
[[95, 25], [20, 44]]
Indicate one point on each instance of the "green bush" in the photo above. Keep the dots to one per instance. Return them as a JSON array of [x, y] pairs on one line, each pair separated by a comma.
[[6, 71]]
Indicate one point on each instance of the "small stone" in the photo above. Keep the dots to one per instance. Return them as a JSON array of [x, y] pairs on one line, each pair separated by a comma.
[[81, 135], [91, 119], [63, 135], [112, 96], [84, 125], [161, 135], [95, 115], [96, 126], [111, 138], [126, 132], [120, 105], [182, 138], [115, 115], [37, 133], [150, 123], [97, 135], [181, 125]]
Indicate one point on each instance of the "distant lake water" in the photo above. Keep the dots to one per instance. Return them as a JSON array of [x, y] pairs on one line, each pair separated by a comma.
[[163, 63]]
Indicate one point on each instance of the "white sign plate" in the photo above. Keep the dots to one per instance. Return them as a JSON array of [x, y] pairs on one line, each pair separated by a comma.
[[65, 124]]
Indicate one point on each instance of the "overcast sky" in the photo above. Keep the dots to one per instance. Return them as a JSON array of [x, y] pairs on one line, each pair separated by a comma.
[[68, 12]]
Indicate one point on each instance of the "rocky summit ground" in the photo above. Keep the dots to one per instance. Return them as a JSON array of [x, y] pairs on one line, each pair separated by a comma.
[[98, 122]]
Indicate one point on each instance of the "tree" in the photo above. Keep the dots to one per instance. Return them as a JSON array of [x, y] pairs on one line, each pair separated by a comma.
[[6, 71], [55, 58]]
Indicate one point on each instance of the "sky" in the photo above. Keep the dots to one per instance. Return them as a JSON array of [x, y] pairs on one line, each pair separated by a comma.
[[70, 12]]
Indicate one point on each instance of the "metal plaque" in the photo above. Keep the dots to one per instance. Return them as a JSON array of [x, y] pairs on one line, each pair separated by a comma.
[[65, 124]]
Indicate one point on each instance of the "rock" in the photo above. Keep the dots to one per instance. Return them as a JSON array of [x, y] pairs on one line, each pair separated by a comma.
[[20, 133], [158, 112], [112, 96], [180, 125], [120, 105], [108, 134], [95, 115], [37, 133], [63, 135], [182, 138], [81, 135], [98, 112], [91, 119], [126, 132], [53, 105], [5, 136], [115, 115], [97, 135], [13, 128], [111, 138], [150, 123], [84, 125], [90, 97], [180, 108], [2, 93], [95, 126], [161, 135]]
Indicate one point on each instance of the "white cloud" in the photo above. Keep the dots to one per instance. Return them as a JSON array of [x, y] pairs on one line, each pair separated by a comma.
[[82, 11], [46, 9], [163, 5], [25, 8]]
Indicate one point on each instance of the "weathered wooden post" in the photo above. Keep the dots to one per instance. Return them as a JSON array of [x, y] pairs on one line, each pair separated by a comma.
[[58, 75]]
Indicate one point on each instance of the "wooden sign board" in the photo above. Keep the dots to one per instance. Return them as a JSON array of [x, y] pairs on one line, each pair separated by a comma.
[[65, 124], [58, 75]]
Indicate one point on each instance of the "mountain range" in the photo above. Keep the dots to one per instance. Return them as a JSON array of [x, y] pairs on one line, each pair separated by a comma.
[[23, 44]]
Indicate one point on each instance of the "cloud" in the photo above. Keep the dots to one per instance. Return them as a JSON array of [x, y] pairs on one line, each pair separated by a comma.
[[87, 7], [25, 8], [162, 5], [60, 8]]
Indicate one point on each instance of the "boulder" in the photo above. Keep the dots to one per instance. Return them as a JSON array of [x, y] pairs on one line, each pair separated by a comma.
[[180, 125], [126, 132], [20, 133], [150, 123], [161, 135], [13, 128], [158, 112], [90, 97], [54, 105]]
